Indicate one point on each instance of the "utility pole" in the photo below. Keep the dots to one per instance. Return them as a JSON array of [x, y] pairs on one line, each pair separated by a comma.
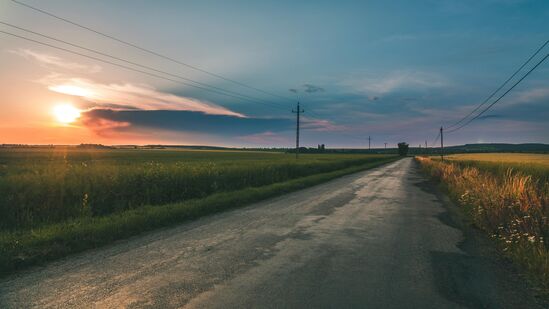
[[385, 145], [369, 142], [297, 112], [425, 146], [441, 144]]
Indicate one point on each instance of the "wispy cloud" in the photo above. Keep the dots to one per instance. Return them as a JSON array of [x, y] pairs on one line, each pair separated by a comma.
[[484, 117], [312, 88], [531, 95], [119, 95], [321, 125], [383, 84], [130, 96], [54, 61], [266, 138]]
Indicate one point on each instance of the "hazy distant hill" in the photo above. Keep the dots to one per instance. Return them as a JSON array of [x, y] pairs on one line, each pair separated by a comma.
[[467, 148], [531, 147]]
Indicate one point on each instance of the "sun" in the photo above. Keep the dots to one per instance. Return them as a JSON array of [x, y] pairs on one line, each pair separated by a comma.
[[66, 113]]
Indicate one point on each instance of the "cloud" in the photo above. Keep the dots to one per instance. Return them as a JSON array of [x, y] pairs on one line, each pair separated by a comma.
[[266, 138], [312, 88], [292, 90], [321, 125], [109, 122], [398, 80], [104, 127], [54, 61], [116, 95], [531, 95], [130, 96], [484, 117]]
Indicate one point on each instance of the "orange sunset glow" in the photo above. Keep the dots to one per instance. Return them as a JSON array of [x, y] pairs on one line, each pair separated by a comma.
[[66, 113], [288, 154]]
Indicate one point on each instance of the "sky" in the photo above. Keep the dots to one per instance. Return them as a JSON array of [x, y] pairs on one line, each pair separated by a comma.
[[393, 70]]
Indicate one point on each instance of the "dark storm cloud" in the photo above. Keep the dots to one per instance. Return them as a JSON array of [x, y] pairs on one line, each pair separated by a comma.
[[184, 121]]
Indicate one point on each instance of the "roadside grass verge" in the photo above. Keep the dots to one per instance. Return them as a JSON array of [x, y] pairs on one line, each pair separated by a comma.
[[508, 203], [21, 249]]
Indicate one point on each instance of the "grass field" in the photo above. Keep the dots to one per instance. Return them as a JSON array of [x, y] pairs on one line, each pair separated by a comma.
[[57, 201], [52, 185], [507, 195], [534, 165], [519, 158]]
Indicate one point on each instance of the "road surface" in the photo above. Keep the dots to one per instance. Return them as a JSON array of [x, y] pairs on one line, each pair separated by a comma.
[[383, 238]]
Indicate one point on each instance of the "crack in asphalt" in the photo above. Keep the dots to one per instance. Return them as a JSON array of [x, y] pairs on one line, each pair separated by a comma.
[[385, 237]]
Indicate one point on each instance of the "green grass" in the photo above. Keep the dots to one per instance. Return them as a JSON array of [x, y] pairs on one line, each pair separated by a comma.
[[45, 186], [24, 246]]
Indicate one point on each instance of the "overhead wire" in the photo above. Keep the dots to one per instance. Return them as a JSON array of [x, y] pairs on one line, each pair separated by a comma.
[[218, 91], [242, 96], [147, 50], [203, 86], [500, 87], [435, 140], [127, 67], [500, 97]]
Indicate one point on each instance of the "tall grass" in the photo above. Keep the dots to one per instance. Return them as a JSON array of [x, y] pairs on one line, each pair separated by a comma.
[[25, 247], [509, 203], [47, 188]]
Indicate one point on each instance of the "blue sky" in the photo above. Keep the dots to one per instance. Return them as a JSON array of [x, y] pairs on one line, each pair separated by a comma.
[[394, 70]]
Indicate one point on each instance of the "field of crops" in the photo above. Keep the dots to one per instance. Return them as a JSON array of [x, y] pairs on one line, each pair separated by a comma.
[[507, 195], [534, 165], [44, 186], [517, 158]]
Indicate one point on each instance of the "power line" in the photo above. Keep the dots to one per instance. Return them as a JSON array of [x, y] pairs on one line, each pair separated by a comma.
[[148, 50], [136, 70], [241, 96], [340, 133], [500, 87], [500, 97], [123, 66], [317, 117], [436, 140]]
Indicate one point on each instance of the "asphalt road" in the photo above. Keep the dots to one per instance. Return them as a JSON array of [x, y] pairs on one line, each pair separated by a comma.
[[383, 238]]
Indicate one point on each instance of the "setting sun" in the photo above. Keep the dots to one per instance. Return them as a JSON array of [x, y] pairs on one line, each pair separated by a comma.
[[66, 113]]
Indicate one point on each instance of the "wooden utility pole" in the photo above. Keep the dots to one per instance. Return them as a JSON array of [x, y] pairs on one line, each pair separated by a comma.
[[441, 144], [298, 112], [369, 142]]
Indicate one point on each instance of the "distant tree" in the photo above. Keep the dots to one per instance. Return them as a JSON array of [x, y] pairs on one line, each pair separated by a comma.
[[402, 149]]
